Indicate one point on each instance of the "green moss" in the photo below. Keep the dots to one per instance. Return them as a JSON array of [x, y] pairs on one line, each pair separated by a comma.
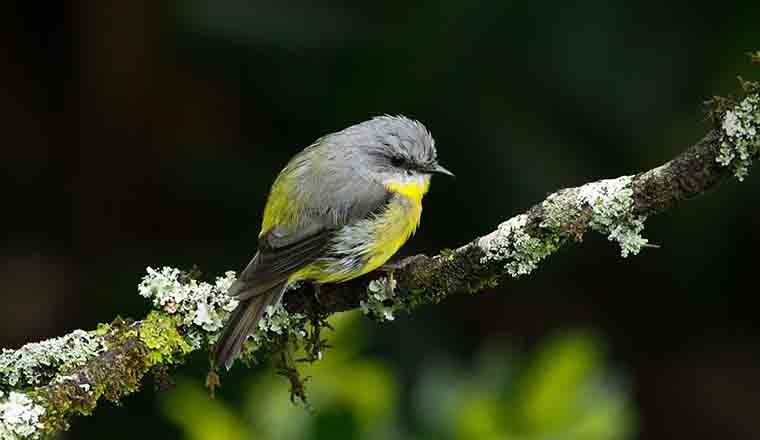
[[132, 350], [61, 401], [447, 254], [434, 279], [482, 284], [102, 330], [159, 333]]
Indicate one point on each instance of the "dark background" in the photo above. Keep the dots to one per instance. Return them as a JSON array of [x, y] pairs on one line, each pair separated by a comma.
[[140, 133]]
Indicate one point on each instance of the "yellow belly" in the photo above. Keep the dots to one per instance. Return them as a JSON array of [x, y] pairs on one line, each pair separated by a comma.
[[393, 229], [386, 233]]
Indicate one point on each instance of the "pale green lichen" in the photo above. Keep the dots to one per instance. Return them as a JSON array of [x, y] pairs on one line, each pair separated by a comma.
[[201, 308], [19, 417], [200, 305], [512, 244], [37, 362], [381, 302], [189, 317], [276, 325], [740, 140], [606, 206], [562, 214], [612, 206]]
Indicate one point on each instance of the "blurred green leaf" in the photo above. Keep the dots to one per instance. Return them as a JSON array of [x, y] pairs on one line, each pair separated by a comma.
[[201, 418], [342, 384], [549, 388], [567, 389], [564, 390], [479, 418]]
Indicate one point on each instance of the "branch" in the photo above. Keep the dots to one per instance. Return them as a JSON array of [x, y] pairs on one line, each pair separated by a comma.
[[43, 385]]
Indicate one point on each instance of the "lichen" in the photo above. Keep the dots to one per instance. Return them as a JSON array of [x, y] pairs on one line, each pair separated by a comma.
[[562, 214], [612, 209], [116, 372], [37, 362], [189, 316], [381, 302], [19, 417], [201, 309], [740, 140], [200, 305], [516, 248], [275, 328]]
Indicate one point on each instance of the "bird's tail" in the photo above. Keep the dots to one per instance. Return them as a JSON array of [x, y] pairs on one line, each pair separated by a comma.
[[243, 321]]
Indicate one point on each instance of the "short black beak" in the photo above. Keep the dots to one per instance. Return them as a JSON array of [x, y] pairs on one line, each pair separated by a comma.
[[437, 169]]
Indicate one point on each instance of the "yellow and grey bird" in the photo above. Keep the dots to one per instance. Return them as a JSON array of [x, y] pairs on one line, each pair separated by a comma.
[[339, 209]]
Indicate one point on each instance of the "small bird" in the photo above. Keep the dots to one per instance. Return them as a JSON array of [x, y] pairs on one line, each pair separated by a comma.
[[339, 209]]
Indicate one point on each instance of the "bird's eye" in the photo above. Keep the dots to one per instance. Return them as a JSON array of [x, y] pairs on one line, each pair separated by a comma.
[[397, 161]]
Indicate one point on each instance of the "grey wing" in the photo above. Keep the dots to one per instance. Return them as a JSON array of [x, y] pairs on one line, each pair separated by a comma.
[[330, 194], [283, 251], [278, 257]]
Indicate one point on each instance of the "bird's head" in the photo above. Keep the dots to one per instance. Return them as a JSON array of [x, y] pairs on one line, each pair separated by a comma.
[[396, 151]]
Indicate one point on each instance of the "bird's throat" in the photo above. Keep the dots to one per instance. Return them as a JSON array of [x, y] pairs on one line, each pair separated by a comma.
[[412, 188]]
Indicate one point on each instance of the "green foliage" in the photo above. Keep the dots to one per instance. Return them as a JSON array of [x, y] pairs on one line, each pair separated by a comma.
[[566, 389], [200, 417], [562, 390]]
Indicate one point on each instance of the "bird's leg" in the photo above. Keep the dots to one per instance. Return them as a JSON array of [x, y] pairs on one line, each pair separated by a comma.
[[317, 291]]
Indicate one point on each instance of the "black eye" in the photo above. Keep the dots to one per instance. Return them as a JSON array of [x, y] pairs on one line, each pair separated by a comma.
[[397, 161]]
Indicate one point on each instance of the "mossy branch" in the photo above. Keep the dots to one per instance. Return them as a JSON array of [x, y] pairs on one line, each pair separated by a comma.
[[43, 385]]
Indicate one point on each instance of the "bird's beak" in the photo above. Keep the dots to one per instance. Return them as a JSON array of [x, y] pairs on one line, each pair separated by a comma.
[[437, 169]]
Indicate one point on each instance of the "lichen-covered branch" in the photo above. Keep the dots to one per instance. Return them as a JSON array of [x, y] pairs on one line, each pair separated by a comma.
[[43, 385]]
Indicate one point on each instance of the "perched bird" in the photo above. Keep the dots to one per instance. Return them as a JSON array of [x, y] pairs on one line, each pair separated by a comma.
[[339, 209]]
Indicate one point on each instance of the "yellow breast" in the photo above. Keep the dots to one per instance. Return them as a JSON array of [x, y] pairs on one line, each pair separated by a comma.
[[371, 241], [398, 222]]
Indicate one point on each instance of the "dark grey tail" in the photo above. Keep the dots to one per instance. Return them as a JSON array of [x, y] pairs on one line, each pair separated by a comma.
[[243, 321]]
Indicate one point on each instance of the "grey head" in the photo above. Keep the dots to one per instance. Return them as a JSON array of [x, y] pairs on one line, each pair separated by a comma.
[[345, 174], [390, 147]]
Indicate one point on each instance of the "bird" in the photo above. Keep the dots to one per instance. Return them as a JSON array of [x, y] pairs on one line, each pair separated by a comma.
[[339, 209]]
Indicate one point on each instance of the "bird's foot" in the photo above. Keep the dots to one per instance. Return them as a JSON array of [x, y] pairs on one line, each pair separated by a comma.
[[317, 291]]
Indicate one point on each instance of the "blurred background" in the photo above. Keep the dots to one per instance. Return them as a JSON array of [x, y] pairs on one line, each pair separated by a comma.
[[143, 132]]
